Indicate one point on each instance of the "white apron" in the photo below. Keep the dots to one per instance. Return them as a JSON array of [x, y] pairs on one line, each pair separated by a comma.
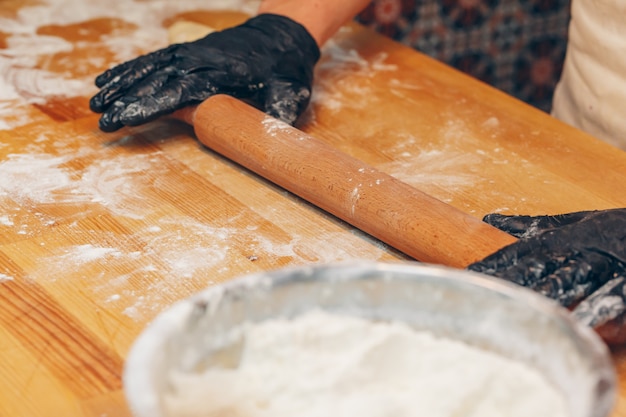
[[591, 94]]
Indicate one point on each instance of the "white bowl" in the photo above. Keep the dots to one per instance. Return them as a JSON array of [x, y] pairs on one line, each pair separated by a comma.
[[479, 310]]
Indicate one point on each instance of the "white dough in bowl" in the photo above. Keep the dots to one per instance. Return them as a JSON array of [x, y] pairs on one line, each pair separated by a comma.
[[323, 364]]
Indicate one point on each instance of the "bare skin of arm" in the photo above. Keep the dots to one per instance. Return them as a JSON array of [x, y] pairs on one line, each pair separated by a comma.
[[322, 18]]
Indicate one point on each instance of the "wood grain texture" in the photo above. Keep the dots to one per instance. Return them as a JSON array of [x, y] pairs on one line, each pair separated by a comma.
[[58, 340], [377, 203], [101, 232]]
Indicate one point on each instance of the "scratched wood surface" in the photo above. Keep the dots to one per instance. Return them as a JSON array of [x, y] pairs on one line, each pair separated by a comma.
[[100, 232]]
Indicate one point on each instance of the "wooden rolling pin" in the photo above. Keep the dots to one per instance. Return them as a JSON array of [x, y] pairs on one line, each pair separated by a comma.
[[376, 203]]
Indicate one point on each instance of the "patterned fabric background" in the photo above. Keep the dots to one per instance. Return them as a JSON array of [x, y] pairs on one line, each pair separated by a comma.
[[517, 46]]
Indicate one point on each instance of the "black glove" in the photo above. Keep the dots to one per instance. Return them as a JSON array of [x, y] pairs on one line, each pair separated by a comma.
[[267, 60], [572, 258]]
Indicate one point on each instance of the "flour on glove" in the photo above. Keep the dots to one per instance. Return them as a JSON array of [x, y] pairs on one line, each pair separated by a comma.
[[578, 259], [268, 61]]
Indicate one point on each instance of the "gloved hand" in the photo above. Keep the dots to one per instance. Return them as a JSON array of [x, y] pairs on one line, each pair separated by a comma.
[[578, 259], [267, 60]]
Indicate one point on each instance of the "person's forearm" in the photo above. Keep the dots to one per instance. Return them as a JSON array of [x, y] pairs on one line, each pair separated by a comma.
[[322, 18]]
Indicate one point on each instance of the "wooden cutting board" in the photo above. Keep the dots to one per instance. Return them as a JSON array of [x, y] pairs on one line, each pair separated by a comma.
[[101, 232]]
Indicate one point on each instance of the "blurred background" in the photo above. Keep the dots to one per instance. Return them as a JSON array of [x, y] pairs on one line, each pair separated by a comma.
[[518, 46]]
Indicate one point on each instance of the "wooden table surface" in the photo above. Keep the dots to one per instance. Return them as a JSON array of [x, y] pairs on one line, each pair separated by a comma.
[[101, 232]]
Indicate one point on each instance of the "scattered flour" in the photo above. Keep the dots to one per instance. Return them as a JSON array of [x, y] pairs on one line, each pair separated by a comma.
[[337, 61], [90, 253], [163, 252], [4, 278], [340, 58], [33, 177], [274, 126], [441, 165], [180, 251], [44, 175], [40, 178], [5, 220], [434, 167], [24, 80], [321, 364]]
